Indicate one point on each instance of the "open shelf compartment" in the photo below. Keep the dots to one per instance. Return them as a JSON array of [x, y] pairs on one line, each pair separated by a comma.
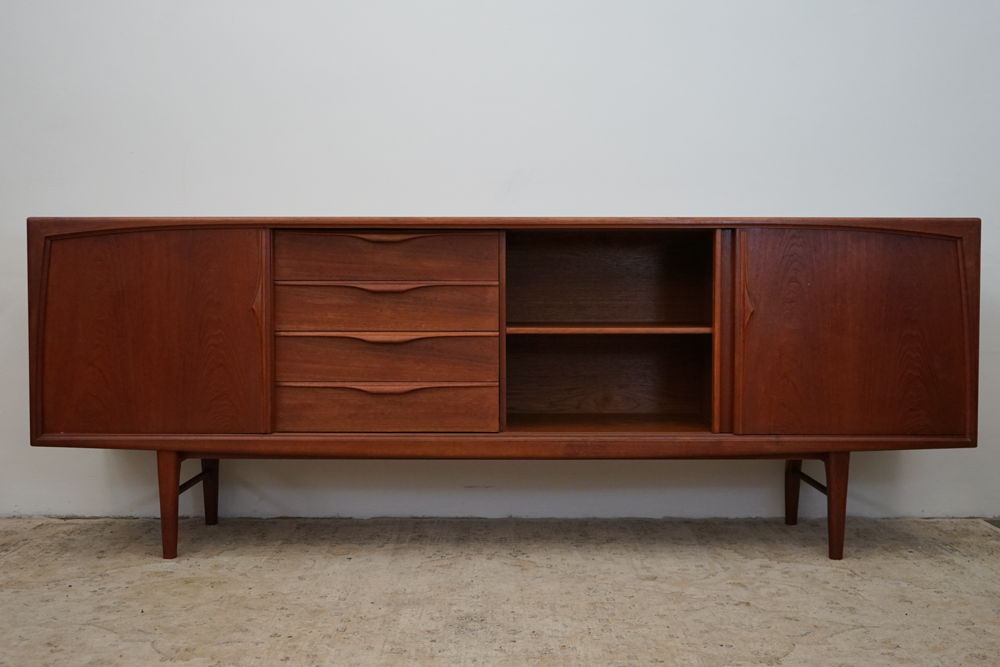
[[612, 382], [610, 331], [632, 278]]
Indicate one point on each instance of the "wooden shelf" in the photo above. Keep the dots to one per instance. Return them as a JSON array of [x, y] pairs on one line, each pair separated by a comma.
[[606, 423], [604, 328]]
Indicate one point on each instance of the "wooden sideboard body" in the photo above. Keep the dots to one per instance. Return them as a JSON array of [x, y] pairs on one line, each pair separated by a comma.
[[497, 338]]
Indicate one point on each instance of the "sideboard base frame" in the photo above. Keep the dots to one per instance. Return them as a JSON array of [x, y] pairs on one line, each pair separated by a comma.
[[169, 465]]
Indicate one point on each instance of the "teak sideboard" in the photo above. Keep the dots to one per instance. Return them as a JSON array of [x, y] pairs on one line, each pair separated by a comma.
[[503, 338]]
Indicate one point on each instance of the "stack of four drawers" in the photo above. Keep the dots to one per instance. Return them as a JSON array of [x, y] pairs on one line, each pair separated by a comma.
[[386, 332]]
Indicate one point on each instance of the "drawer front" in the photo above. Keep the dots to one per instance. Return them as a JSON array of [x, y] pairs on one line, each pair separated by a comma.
[[387, 357], [388, 407], [305, 255], [386, 307]]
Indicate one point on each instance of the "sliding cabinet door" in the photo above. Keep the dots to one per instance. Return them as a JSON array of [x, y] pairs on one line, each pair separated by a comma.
[[844, 332], [157, 331]]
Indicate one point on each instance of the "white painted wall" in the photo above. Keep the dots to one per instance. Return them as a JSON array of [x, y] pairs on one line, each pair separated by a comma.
[[238, 107]]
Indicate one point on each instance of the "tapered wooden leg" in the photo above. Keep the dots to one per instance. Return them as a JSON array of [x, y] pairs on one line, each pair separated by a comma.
[[210, 486], [837, 465], [792, 486], [168, 468]]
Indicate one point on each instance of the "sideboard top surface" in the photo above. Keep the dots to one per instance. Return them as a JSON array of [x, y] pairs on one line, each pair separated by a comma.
[[58, 226]]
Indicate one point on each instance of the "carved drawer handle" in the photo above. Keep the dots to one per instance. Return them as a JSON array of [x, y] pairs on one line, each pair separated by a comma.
[[388, 287], [386, 338], [387, 238], [397, 388], [388, 388], [385, 387]]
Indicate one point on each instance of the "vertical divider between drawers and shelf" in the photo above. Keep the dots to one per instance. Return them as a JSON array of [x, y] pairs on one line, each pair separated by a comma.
[[716, 332], [722, 332], [502, 332], [267, 288]]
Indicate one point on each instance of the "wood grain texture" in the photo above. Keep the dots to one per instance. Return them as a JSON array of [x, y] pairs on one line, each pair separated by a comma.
[[359, 307], [847, 332], [264, 311], [383, 407], [715, 330], [617, 328], [305, 255], [569, 444], [502, 325], [42, 233], [739, 343], [723, 335], [793, 487], [39, 250], [609, 277], [155, 332], [54, 226], [604, 422], [837, 465], [612, 374], [168, 473], [210, 490], [970, 262], [817, 328], [388, 357]]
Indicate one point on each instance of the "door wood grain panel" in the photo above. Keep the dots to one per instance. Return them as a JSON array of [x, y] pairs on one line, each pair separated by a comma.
[[845, 332], [157, 332]]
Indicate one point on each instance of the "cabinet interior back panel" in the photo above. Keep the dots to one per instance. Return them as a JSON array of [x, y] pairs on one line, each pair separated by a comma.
[[655, 375], [662, 276]]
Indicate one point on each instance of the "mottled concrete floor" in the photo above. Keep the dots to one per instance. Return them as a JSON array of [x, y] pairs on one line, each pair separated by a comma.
[[510, 592]]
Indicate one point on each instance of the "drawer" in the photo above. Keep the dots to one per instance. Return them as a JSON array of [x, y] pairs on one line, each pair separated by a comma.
[[406, 357], [386, 307], [327, 255], [387, 407]]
